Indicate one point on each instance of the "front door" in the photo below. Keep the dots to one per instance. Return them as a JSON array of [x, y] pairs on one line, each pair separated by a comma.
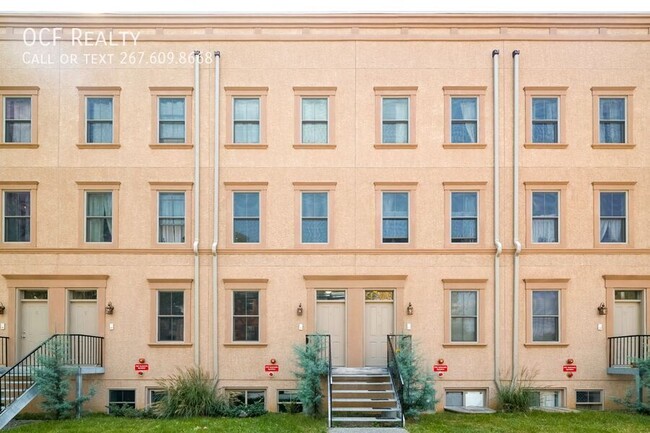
[[628, 312], [379, 323], [82, 312], [330, 319], [33, 320]]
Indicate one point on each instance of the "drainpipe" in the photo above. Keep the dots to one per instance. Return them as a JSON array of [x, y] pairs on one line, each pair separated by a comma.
[[515, 218], [496, 208], [197, 184], [215, 229]]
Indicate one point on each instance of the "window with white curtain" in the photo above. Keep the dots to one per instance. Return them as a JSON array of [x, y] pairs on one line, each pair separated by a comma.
[[464, 120], [18, 119], [546, 315], [464, 315], [546, 216], [171, 120], [171, 217], [314, 211], [612, 120], [246, 217], [171, 315], [613, 216], [99, 119], [246, 120], [314, 120], [545, 118], [17, 216], [394, 120], [99, 216], [395, 217], [464, 217]]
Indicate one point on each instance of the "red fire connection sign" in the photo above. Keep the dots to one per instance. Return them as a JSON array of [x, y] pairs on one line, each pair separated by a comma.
[[440, 368], [141, 367], [571, 368], [271, 368]]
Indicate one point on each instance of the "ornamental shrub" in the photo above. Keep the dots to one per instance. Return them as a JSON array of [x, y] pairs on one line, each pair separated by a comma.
[[312, 367]]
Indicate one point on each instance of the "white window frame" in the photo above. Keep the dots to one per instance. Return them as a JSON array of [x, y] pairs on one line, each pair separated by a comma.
[[327, 121], [408, 117], [246, 391], [558, 121], [150, 391], [559, 316], [4, 216], [112, 98], [408, 216], [184, 316], [558, 392], [626, 123], [559, 217], [259, 317], [602, 398], [259, 121], [113, 234], [451, 316], [327, 217], [184, 216], [627, 213], [158, 98], [259, 217], [135, 397], [478, 216], [4, 119], [451, 118], [464, 392]]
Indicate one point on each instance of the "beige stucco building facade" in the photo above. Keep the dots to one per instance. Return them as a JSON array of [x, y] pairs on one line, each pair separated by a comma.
[[358, 173]]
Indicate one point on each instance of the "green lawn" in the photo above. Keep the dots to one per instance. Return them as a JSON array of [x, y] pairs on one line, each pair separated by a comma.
[[584, 422]]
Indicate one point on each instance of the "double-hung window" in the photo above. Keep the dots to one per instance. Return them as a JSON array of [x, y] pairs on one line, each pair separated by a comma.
[[171, 318], [545, 119], [246, 316], [546, 214], [18, 119], [17, 216], [246, 120], [99, 216], [171, 217], [314, 120], [613, 217], [99, 119], [246, 217], [464, 315], [171, 120], [394, 120], [464, 120], [395, 217], [612, 117], [464, 217], [314, 215], [546, 315]]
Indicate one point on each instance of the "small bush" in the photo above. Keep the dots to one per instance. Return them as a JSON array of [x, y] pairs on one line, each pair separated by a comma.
[[189, 393], [419, 392], [125, 411], [312, 367], [630, 401], [515, 395], [245, 411]]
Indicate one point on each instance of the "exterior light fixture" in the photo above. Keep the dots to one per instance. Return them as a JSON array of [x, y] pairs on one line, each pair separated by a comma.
[[2, 308], [602, 309], [299, 310], [409, 309], [109, 308]]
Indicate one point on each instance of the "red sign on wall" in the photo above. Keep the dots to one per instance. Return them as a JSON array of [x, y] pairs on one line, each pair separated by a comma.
[[141, 367], [271, 368], [440, 368], [570, 368]]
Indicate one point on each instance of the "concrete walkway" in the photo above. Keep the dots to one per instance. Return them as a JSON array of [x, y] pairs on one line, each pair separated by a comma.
[[367, 430]]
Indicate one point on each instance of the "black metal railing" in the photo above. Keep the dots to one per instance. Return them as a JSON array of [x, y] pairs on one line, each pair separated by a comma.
[[396, 343], [625, 350], [4, 344], [324, 344], [75, 349]]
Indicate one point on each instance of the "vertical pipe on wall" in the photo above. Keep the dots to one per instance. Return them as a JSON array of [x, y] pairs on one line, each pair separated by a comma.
[[215, 229], [515, 217], [496, 209], [197, 183]]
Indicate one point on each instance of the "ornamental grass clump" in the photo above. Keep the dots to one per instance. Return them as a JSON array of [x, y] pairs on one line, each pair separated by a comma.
[[190, 393], [516, 395]]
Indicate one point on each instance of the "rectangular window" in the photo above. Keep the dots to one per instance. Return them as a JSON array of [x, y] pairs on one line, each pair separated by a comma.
[[545, 118], [464, 217], [395, 120], [464, 315], [589, 400], [465, 398], [99, 216], [314, 210], [288, 402], [246, 120], [246, 217], [171, 217], [613, 216], [18, 119], [171, 317], [546, 315], [330, 295], [464, 120], [154, 395], [121, 398], [17, 216], [315, 120], [99, 120], [395, 217], [612, 120], [246, 316], [545, 398], [246, 397], [546, 216], [171, 120]]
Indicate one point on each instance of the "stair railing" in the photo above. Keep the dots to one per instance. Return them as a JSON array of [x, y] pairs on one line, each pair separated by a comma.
[[324, 343], [395, 343], [625, 350]]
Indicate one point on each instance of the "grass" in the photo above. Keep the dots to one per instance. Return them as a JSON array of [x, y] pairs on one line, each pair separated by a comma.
[[584, 422]]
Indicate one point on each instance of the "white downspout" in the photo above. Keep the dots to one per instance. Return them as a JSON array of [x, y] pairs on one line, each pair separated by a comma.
[[515, 219], [496, 207], [215, 230], [197, 183]]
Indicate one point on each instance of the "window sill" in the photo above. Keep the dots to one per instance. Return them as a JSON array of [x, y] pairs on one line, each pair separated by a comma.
[[19, 146], [465, 345], [170, 344], [613, 146], [464, 145], [314, 146], [548, 344], [546, 145], [245, 344], [99, 146], [245, 146], [171, 146], [396, 146]]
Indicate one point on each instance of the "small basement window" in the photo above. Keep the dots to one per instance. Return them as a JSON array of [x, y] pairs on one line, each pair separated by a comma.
[[589, 399], [546, 398], [154, 395], [288, 401], [121, 398], [465, 398], [246, 397]]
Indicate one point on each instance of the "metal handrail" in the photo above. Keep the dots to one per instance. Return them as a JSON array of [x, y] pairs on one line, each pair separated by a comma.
[[80, 349], [324, 342], [394, 370], [4, 344], [624, 350]]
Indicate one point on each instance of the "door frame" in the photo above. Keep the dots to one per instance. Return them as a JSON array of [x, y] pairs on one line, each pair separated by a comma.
[[365, 303], [642, 306], [345, 317], [68, 302], [19, 302], [626, 282]]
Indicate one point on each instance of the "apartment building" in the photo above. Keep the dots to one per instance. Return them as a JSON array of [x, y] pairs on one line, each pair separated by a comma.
[[208, 190]]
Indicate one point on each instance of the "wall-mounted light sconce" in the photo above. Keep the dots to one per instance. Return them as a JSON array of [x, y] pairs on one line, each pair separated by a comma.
[[299, 310], [109, 308], [409, 309], [2, 308], [602, 309]]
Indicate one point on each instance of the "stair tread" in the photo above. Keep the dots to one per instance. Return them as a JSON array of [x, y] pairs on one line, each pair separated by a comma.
[[361, 383], [365, 419], [374, 391], [363, 400], [364, 409]]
